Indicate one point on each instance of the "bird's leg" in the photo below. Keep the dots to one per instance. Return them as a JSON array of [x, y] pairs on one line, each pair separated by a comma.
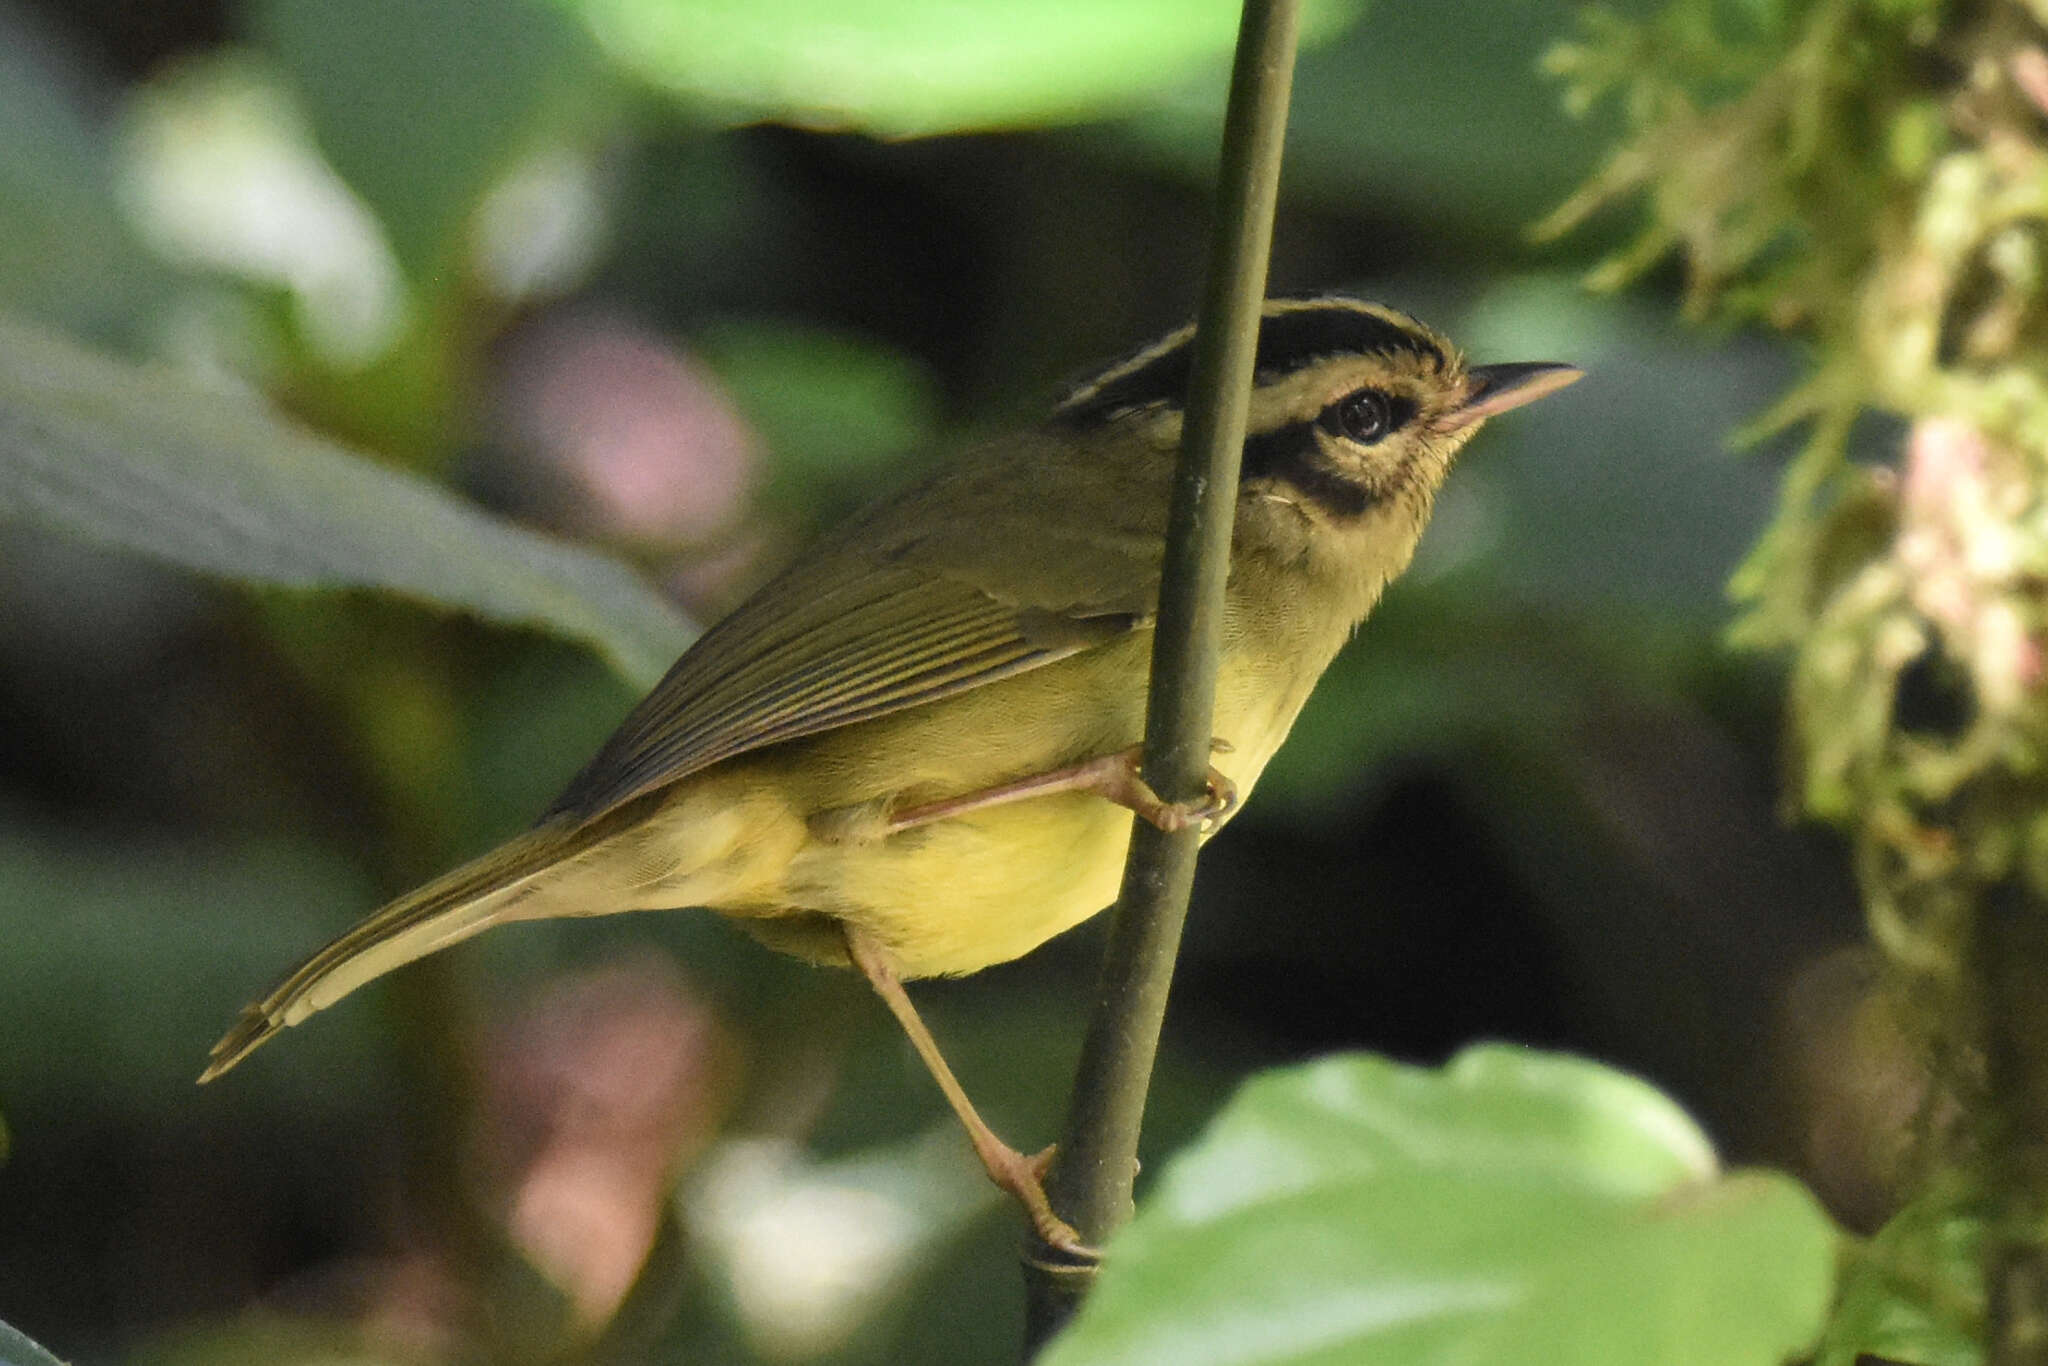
[[1023, 1177], [1114, 777]]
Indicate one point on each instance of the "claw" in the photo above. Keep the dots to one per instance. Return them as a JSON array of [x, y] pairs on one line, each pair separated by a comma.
[[1023, 1178], [1127, 786]]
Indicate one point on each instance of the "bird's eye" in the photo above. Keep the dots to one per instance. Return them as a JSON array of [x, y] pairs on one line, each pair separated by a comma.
[[1364, 417]]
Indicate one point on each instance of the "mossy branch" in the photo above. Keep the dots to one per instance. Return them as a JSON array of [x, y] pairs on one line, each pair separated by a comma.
[[1869, 177], [1091, 1185]]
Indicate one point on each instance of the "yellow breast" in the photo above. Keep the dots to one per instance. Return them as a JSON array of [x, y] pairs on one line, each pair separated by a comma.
[[992, 885], [961, 894]]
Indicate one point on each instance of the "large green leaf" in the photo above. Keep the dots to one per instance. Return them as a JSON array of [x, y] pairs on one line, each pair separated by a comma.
[[1915, 1293], [905, 68], [146, 460], [1514, 1207], [17, 1350]]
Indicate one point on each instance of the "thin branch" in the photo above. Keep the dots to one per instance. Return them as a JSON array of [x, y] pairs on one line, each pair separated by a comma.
[[1091, 1184]]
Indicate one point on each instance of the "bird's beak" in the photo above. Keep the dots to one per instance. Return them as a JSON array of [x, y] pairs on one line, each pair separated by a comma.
[[1491, 389]]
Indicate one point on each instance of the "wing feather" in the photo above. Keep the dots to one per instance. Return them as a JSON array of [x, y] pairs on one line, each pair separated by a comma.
[[940, 590], [843, 657]]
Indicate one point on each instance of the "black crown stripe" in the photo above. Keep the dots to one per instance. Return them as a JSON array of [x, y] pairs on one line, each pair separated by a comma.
[[1288, 341]]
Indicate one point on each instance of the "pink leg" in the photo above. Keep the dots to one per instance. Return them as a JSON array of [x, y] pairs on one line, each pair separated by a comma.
[[1023, 1177], [1113, 777]]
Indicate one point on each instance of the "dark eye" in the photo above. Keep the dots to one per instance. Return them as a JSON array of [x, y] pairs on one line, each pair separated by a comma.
[[1365, 416]]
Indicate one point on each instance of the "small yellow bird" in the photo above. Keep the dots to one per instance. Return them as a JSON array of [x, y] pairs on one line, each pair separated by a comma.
[[912, 750]]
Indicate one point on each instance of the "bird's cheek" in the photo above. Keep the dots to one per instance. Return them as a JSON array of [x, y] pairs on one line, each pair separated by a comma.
[[1383, 469], [1365, 467]]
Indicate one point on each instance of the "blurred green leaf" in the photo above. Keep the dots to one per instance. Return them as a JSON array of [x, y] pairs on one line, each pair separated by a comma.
[[909, 68], [17, 1350], [146, 460], [66, 256], [1915, 1292], [526, 727], [422, 104], [135, 952], [1612, 490], [833, 407], [1432, 111], [1512, 1207]]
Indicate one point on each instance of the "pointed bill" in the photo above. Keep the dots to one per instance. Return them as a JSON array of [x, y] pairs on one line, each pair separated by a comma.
[[1494, 389]]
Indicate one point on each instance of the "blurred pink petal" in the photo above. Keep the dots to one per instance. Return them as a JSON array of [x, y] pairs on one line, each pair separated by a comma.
[[412, 1304], [647, 435], [596, 1095], [419, 1309]]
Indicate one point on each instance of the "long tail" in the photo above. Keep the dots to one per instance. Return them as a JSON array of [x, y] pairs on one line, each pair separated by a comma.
[[445, 911]]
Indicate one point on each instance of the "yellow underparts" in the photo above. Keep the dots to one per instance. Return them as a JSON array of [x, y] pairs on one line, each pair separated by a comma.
[[776, 840]]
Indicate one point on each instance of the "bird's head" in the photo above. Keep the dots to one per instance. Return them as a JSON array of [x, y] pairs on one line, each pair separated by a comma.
[[1356, 413], [1353, 405]]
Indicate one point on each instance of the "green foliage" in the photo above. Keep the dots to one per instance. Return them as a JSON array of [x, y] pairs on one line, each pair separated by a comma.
[[17, 1350], [264, 1338], [1470, 140], [1513, 1207], [1915, 1292], [907, 68], [837, 410], [1767, 152], [1771, 146], [423, 104], [66, 254], [132, 936], [1813, 180], [217, 915], [146, 461]]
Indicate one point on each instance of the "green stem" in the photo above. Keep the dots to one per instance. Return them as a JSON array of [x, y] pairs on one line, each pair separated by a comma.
[[1091, 1184]]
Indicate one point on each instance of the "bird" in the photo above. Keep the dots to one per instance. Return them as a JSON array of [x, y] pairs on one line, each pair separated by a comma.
[[915, 750]]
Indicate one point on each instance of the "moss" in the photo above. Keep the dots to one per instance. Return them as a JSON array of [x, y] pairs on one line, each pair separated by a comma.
[[1871, 178]]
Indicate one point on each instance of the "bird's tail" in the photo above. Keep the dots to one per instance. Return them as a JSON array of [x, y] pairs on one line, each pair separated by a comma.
[[447, 910]]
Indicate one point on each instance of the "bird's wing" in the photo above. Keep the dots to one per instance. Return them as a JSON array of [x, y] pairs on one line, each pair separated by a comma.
[[934, 593]]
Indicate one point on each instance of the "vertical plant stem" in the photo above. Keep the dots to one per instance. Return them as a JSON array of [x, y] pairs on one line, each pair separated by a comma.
[[1091, 1184]]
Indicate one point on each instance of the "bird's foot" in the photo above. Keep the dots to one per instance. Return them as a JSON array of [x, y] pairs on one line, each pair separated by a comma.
[[1119, 778], [1023, 1179]]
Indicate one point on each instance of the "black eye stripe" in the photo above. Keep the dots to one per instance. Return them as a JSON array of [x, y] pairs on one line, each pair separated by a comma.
[[1292, 456]]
